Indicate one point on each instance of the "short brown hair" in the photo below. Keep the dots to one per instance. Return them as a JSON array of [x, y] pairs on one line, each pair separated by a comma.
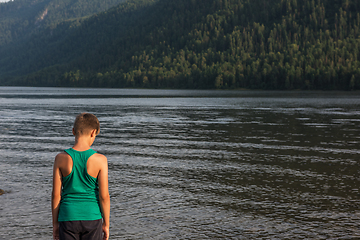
[[85, 123]]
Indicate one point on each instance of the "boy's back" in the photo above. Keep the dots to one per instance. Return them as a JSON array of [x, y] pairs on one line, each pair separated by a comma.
[[94, 164]]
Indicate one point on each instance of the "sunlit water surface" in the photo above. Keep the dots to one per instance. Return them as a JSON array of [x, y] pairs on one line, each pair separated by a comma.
[[191, 164]]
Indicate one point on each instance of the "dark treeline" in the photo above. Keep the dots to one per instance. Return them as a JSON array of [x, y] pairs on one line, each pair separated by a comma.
[[259, 44]]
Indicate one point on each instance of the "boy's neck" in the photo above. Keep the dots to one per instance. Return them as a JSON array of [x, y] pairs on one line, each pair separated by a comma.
[[82, 143]]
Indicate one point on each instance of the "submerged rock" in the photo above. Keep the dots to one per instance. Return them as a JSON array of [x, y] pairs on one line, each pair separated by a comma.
[[2, 192]]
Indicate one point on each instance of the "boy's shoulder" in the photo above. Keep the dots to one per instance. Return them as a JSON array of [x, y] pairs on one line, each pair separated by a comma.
[[62, 159], [99, 160], [62, 156], [100, 157]]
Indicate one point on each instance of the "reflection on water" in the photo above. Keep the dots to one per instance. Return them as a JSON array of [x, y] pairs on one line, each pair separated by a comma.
[[191, 164]]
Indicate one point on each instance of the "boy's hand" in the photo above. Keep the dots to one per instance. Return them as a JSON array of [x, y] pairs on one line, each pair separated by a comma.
[[105, 230], [56, 232]]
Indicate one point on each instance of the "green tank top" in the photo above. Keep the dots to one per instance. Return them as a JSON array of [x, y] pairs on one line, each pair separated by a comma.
[[80, 191]]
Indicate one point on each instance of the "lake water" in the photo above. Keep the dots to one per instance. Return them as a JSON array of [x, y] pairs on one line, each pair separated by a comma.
[[191, 164]]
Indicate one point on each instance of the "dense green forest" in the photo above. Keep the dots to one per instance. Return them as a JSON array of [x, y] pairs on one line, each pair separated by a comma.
[[225, 44]]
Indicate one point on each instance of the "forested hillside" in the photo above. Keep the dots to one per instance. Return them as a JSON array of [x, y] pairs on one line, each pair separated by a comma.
[[259, 44], [21, 18]]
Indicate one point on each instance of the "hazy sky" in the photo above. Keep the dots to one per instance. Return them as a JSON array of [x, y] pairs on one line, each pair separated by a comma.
[[4, 0]]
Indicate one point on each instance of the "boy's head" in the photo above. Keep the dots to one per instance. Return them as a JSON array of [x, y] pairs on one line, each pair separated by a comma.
[[85, 123]]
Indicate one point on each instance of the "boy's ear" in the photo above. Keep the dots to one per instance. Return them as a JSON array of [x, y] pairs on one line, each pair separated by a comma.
[[73, 132], [93, 133]]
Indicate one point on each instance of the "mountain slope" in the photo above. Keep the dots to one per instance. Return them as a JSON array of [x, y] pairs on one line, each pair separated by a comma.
[[288, 44], [21, 18]]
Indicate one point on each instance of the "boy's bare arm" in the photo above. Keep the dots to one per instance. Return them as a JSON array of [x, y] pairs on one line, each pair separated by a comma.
[[56, 195], [104, 196]]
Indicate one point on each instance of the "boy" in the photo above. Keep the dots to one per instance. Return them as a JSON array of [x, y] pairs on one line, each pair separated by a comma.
[[80, 196]]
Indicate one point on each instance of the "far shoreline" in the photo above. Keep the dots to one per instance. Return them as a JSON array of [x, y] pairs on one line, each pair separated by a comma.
[[181, 89]]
